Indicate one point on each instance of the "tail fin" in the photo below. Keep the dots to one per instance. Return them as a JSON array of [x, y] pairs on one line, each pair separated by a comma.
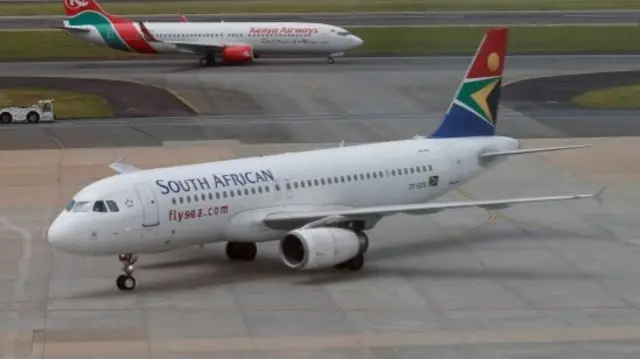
[[73, 8], [474, 109]]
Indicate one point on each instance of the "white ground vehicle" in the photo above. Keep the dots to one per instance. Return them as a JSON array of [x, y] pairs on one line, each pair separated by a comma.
[[42, 111]]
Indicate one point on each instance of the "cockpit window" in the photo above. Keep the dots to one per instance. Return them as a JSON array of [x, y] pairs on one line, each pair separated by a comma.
[[82, 206], [344, 33], [70, 205], [99, 206], [113, 207]]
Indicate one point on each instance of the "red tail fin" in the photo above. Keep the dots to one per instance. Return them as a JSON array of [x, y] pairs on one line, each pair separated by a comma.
[[75, 7]]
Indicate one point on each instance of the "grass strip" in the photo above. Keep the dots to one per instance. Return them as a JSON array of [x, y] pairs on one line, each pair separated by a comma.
[[378, 41], [292, 6], [622, 97], [66, 104]]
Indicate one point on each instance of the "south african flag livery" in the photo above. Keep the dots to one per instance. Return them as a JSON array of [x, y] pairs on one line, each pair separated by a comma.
[[474, 110]]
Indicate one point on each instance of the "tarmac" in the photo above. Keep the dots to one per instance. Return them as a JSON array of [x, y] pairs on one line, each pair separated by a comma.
[[550, 279], [538, 280]]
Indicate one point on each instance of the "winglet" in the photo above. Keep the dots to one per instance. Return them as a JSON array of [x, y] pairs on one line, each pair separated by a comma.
[[598, 195]]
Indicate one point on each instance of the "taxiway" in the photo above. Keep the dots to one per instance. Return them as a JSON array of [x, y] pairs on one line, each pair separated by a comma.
[[545, 280], [303, 100]]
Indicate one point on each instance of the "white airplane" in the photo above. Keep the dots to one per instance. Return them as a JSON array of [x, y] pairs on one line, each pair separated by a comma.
[[233, 42], [316, 203]]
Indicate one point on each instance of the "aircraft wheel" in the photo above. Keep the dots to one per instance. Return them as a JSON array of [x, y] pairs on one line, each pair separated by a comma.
[[331, 60], [241, 251], [126, 282], [356, 263]]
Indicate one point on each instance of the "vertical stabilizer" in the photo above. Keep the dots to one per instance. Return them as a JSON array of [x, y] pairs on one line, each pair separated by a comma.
[[474, 109]]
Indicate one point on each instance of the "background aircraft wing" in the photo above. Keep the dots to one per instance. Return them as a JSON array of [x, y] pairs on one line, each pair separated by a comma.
[[292, 220], [121, 167], [197, 47]]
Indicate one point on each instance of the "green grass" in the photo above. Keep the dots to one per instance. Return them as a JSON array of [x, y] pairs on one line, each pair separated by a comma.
[[288, 6], [623, 97], [34, 45], [66, 105]]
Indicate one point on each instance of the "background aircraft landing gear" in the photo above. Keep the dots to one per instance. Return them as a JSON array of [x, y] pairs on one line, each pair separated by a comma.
[[208, 60], [241, 251], [126, 282], [330, 60]]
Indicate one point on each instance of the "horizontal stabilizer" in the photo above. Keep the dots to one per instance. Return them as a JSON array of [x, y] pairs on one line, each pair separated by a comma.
[[529, 150], [121, 167], [71, 29]]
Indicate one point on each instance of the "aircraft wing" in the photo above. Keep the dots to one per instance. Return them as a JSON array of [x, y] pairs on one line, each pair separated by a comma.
[[293, 220], [197, 47], [122, 167]]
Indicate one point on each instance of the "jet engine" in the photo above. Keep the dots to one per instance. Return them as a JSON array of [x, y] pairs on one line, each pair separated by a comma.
[[237, 54], [321, 247]]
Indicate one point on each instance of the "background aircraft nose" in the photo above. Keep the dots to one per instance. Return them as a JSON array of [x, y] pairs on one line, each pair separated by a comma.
[[357, 41]]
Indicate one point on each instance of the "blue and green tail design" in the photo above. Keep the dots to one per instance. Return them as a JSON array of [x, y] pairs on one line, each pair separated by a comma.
[[474, 109]]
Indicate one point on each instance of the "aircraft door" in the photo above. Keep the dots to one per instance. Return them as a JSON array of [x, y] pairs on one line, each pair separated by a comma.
[[150, 210], [455, 163]]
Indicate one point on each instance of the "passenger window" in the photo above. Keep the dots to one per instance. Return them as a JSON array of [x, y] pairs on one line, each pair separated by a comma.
[[181, 200], [210, 196], [253, 190], [217, 195], [203, 197], [309, 184], [232, 194], [113, 207], [411, 170], [375, 175], [259, 189], [195, 198], [173, 200], [246, 191], [342, 179], [315, 182], [329, 180], [430, 168], [266, 189], [224, 194], [424, 168], [99, 206], [239, 192]]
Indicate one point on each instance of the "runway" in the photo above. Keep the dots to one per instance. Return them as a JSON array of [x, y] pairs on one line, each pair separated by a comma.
[[488, 18], [302, 100]]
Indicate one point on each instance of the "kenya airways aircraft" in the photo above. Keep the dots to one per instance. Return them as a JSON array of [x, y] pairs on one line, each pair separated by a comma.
[[316, 203], [233, 42]]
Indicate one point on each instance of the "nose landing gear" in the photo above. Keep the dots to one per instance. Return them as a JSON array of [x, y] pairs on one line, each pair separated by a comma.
[[126, 281]]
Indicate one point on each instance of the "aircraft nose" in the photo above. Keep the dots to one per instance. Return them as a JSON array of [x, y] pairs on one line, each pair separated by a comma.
[[59, 234], [357, 41]]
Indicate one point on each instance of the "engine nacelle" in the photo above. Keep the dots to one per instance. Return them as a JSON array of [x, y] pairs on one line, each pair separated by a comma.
[[321, 247], [237, 54]]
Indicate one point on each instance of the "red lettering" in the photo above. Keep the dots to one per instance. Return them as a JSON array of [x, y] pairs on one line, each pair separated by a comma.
[[199, 213], [224, 209]]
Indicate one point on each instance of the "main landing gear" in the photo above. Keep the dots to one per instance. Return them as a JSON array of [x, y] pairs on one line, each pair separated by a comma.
[[208, 60], [240, 251], [126, 282]]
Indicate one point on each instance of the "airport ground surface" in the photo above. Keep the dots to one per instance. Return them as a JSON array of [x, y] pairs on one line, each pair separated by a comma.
[[541, 280], [427, 18], [304, 100]]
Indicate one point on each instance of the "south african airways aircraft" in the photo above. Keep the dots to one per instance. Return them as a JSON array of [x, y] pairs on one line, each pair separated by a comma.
[[232, 42], [317, 204]]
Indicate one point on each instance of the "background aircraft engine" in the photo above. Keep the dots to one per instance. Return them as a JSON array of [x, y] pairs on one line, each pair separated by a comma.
[[237, 54], [321, 247]]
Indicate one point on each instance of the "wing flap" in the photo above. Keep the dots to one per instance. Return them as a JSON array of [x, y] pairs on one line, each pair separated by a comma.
[[322, 218]]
